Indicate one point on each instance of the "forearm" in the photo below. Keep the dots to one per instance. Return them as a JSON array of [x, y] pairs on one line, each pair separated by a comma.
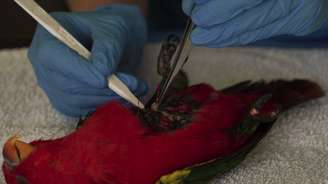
[[80, 5]]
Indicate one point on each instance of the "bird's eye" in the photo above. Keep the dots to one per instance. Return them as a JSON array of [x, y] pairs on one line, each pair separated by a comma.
[[21, 180]]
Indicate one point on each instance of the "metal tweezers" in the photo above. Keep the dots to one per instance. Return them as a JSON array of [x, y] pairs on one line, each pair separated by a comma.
[[179, 58]]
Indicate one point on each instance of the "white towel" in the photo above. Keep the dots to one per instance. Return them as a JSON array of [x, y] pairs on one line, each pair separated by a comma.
[[294, 152]]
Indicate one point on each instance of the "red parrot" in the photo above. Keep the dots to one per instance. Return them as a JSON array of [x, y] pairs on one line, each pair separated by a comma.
[[198, 129]]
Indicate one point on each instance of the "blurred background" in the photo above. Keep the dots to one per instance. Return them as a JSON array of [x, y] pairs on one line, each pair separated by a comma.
[[17, 27]]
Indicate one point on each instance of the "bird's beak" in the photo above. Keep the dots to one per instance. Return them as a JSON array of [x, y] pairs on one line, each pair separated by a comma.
[[15, 151]]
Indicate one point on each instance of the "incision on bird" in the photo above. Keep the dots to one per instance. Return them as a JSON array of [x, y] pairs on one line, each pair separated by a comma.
[[176, 110]]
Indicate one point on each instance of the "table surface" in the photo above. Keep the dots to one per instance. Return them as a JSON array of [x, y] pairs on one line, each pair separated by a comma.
[[294, 152]]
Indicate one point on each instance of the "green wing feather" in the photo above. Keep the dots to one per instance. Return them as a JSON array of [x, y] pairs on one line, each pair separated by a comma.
[[204, 172]]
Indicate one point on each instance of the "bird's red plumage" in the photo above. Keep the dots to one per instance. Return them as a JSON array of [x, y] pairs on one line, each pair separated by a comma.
[[114, 146]]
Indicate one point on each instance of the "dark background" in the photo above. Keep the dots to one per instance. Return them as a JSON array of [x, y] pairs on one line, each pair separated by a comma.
[[17, 27]]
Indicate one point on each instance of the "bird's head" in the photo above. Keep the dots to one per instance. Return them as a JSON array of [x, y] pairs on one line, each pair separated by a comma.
[[38, 162], [15, 152], [74, 158]]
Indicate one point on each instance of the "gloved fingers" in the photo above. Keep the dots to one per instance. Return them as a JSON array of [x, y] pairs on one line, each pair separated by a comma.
[[133, 54], [88, 99], [75, 105], [124, 34], [287, 25], [75, 25], [110, 56], [250, 36], [136, 86], [75, 85], [257, 18], [109, 45], [216, 12], [76, 97], [55, 95], [76, 102], [57, 57], [63, 82], [70, 85], [201, 1], [107, 54], [309, 17], [122, 10], [187, 6]]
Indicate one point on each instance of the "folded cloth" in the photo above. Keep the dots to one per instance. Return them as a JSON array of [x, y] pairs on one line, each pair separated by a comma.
[[295, 151]]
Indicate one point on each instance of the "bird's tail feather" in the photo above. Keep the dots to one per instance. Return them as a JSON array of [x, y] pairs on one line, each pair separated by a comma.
[[285, 93]]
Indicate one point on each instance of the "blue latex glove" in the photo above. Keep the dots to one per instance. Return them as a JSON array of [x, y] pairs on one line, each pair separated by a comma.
[[116, 36], [221, 23]]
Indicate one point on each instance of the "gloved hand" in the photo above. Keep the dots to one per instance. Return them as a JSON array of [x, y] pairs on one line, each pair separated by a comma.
[[75, 86], [221, 23]]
